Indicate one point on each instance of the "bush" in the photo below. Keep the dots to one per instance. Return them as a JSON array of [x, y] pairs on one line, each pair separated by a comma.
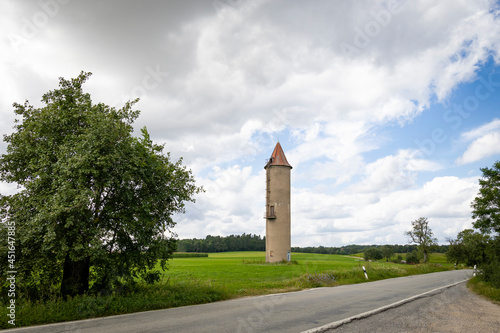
[[412, 257], [152, 276], [373, 253], [316, 280], [397, 259], [477, 285], [491, 273]]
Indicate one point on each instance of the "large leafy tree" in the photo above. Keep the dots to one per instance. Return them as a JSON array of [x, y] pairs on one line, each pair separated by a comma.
[[373, 253], [470, 248], [486, 206], [387, 251], [486, 212], [94, 203], [422, 234]]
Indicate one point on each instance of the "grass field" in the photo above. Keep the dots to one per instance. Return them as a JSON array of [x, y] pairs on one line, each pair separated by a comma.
[[245, 273], [217, 277]]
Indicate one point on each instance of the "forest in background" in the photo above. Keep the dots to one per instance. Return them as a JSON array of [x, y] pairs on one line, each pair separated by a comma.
[[249, 242]]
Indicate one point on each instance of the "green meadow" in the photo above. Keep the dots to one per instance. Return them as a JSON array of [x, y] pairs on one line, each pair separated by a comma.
[[246, 273], [220, 276]]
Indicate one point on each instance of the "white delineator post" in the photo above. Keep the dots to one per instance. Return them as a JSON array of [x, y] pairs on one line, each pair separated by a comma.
[[364, 270]]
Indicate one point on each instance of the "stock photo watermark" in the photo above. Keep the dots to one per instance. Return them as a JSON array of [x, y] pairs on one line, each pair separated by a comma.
[[364, 35], [150, 81], [265, 308], [32, 25], [455, 115], [224, 180], [11, 273], [227, 4]]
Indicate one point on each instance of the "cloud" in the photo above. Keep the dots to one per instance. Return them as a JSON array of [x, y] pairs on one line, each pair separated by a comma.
[[485, 142], [382, 217], [328, 78], [393, 172], [233, 203], [253, 62]]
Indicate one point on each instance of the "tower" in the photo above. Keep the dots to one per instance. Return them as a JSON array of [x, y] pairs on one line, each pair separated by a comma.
[[278, 213]]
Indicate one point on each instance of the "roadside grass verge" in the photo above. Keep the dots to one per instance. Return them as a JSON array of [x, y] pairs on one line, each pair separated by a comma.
[[484, 289], [220, 276], [375, 271], [145, 297]]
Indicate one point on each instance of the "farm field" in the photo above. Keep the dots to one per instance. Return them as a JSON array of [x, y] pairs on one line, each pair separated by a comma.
[[246, 273]]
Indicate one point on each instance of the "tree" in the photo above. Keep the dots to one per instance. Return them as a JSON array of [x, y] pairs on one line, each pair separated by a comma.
[[422, 235], [91, 194], [486, 206], [470, 248], [412, 257], [387, 251], [373, 253], [456, 251], [486, 212]]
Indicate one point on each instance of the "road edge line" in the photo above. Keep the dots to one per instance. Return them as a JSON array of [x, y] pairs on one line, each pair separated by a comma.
[[367, 314]]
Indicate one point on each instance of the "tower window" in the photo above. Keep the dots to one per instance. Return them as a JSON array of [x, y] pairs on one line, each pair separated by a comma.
[[271, 210]]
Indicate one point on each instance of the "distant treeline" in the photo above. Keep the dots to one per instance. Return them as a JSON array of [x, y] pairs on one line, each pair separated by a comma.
[[249, 242], [352, 249], [245, 242]]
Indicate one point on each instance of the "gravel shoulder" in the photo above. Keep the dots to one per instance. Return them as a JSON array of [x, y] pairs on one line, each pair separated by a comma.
[[455, 309]]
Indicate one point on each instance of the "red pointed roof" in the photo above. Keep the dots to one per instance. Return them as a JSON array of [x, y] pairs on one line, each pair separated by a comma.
[[278, 157]]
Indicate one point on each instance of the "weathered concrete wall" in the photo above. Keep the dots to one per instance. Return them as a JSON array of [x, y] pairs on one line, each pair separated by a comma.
[[278, 229]]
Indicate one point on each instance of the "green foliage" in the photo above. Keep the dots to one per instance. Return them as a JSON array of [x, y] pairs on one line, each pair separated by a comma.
[[220, 276], [412, 257], [486, 206], [387, 251], [373, 254], [490, 273], [315, 280], [151, 277], [486, 212], [95, 202], [481, 287], [214, 244], [356, 249], [470, 248], [144, 298], [422, 234]]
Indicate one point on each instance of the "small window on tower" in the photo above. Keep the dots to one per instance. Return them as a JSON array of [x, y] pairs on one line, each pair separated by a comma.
[[271, 210], [271, 253]]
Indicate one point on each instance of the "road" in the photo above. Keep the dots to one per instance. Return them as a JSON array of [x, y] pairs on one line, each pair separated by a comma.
[[451, 310], [290, 312]]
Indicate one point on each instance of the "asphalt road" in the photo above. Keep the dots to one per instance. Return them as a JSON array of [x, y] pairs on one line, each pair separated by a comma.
[[290, 312], [450, 310]]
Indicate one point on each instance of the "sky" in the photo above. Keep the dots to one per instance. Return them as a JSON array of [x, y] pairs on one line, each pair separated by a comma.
[[386, 110]]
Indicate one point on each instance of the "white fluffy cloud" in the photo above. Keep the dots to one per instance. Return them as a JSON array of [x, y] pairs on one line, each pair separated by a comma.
[[484, 142], [383, 217], [220, 84], [253, 62]]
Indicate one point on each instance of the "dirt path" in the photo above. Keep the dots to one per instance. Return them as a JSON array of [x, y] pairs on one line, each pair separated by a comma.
[[453, 310]]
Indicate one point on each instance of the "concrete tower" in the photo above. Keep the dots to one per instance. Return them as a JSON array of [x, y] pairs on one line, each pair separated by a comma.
[[278, 217]]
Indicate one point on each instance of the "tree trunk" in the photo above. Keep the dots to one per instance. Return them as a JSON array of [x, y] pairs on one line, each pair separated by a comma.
[[425, 256], [75, 277]]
